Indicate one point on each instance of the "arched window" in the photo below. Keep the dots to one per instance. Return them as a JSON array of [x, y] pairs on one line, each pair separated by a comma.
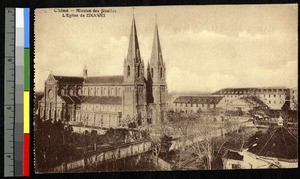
[[71, 92], [138, 71], [62, 92], [152, 72], [161, 72], [79, 92], [128, 70]]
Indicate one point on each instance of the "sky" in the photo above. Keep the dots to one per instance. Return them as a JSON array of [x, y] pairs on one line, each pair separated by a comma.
[[205, 48]]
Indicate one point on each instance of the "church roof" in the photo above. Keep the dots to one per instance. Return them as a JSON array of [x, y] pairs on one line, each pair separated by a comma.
[[104, 79], [277, 142], [71, 99], [68, 79], [67, 99], [76, 99], [198, 99], [133, 48], [115, 100], [38, 95], [156, 55]]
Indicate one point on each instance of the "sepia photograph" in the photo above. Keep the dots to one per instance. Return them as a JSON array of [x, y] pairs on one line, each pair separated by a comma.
[[165, 88]]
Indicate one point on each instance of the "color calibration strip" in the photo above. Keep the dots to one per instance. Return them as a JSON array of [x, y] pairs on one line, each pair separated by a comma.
[[17, 93], [26, 144]]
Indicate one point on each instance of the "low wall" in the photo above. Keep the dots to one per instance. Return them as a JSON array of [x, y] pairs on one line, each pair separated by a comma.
[[176, 144], [98, 158]]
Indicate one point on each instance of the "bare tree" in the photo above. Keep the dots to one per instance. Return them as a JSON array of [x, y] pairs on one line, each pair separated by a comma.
[[157, 138]]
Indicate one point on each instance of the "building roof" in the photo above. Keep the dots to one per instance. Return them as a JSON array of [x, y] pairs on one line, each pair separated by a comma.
[[234, 155], [104, 79], [277, 142], [198, 99], [38, 95], [115, 100], [254, 101], [246, 91], [76, 99], [68, 79], [67, 99]]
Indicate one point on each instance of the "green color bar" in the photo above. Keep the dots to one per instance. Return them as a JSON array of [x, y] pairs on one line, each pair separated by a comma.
[[26, 69]]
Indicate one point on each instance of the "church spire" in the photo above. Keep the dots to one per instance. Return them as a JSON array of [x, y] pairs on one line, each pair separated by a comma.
[[133, 54], [156, 55]]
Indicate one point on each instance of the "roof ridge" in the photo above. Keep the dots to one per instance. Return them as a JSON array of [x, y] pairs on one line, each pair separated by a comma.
[[106, 76], [67, 76]]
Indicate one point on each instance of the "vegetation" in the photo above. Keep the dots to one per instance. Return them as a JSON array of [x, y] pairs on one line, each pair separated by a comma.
[[55, 142]]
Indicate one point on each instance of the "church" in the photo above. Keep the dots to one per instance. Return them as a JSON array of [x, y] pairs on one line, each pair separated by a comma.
[[104, 102]]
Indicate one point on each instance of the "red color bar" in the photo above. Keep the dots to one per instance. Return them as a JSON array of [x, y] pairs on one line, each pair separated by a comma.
[[26, 153]]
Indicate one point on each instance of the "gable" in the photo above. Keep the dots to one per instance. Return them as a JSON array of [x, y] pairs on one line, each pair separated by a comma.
[[51, 78]]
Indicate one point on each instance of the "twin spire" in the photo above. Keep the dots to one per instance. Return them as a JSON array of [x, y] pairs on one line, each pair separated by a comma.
[[134, 50], [156, 55]]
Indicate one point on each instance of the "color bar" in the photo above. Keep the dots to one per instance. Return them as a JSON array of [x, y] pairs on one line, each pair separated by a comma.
[[19, 90], [26, 122]]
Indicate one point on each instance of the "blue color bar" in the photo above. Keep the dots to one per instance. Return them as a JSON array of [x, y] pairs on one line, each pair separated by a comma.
[[26, 28]]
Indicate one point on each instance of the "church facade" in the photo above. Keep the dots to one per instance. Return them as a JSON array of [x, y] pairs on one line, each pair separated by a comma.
[[139, 95]]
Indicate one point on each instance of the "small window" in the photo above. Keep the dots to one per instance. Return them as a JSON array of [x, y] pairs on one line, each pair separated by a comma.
[[128, 70], [152, 72]]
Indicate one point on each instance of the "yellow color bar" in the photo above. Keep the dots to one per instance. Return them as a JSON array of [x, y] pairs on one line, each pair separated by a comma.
[[26, 112]]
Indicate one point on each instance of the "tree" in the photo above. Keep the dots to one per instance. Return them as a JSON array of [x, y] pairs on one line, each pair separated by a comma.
[[196, 132], [94, 139], [50, 143], [132, 125], [115, 136], [160, 140]]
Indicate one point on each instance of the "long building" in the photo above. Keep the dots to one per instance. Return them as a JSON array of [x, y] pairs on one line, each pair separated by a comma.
[[244, 99], [111, 101]]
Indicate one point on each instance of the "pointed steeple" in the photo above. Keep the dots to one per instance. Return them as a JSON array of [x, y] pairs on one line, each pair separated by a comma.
[[133, 54], [156, 55]]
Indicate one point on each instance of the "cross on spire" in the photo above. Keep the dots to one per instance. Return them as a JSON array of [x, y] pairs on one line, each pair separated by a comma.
[[133, 11]]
